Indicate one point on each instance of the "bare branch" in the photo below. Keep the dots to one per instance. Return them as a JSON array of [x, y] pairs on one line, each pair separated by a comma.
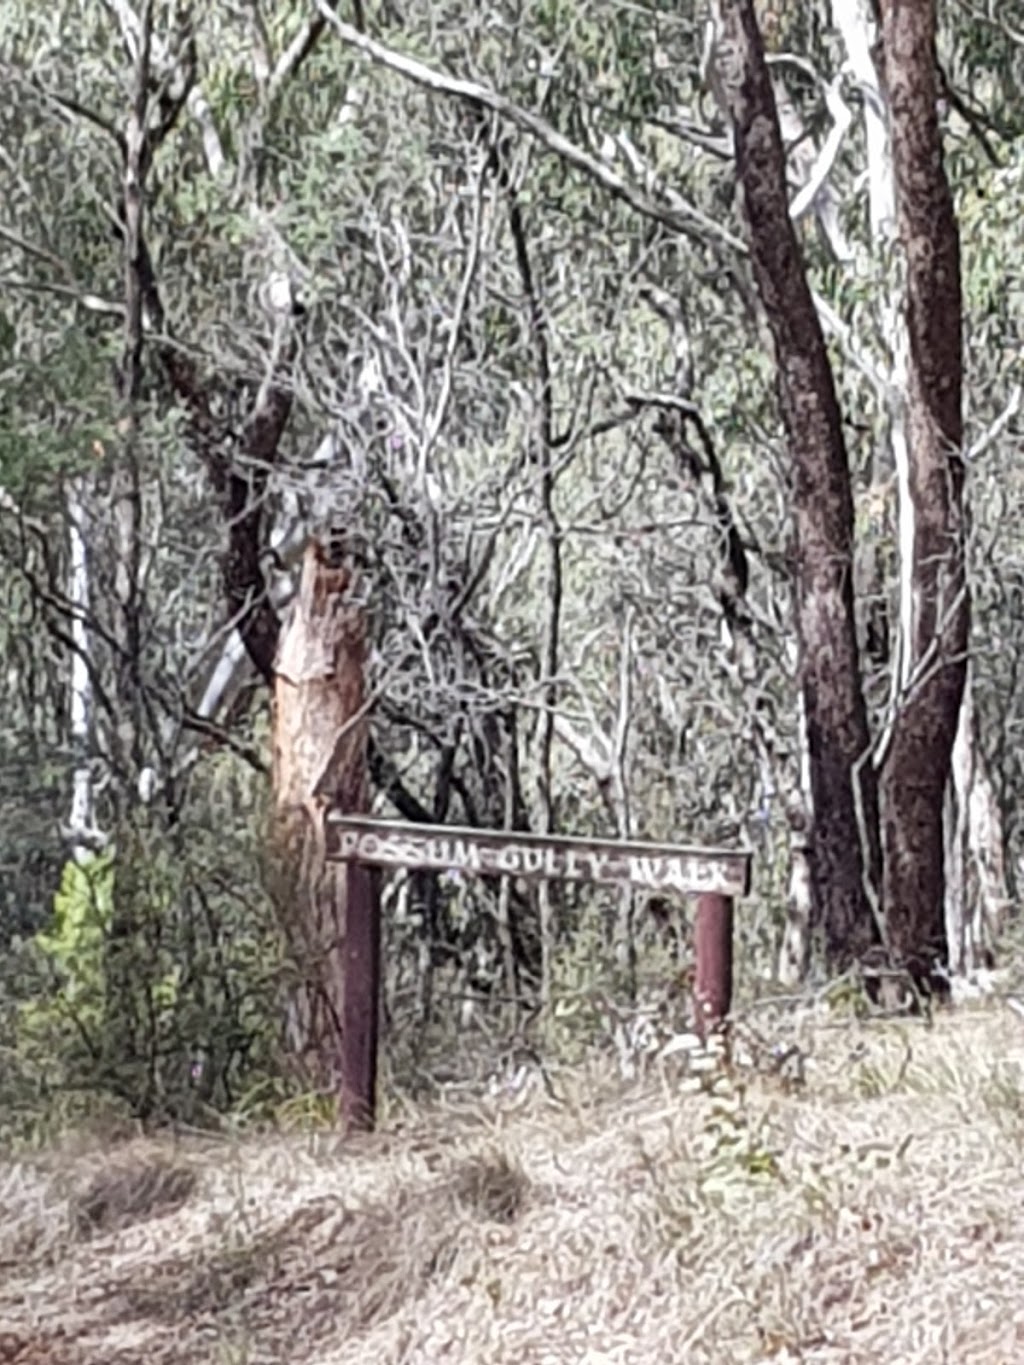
[[997, 428], [129, 24], [72, 106], [301, 47], [679, 216], [193, 97], [40, 253], [92, 303], [842, 118]]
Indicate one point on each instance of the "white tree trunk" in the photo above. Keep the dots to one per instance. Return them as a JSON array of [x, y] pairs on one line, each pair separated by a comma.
[[977, 894], [81, 827], [795, 949], [794, 954], [855, 21]]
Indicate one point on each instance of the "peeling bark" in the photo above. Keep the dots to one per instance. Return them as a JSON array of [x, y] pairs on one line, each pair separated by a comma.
[[319, 752]]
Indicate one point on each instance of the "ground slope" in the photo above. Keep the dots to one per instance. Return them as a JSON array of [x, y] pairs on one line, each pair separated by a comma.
[[872, 1213]]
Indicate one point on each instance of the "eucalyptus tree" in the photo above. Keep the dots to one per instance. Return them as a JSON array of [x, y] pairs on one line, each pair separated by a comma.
[[485, 436], [465, 294], [907, 882]]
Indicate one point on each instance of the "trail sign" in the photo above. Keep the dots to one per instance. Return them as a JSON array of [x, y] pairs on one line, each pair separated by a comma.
[[443, 848], [714, 875]]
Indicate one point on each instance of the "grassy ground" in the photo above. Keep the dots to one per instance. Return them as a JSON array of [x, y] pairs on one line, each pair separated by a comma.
[[870, 1212]]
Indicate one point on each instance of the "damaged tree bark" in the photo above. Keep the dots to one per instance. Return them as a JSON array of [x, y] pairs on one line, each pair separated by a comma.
[[328, 911]]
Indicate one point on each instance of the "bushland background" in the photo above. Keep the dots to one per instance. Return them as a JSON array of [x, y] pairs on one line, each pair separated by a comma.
[[487, 300]]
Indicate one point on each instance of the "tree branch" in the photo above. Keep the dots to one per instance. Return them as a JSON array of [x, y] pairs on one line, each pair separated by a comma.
[[679, 216], [301, 47]]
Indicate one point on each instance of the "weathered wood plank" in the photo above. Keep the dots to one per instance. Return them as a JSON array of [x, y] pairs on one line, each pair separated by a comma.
[[652, 866]]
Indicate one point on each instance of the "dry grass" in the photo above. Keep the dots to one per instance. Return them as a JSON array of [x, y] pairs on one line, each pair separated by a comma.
[[871, 1214]]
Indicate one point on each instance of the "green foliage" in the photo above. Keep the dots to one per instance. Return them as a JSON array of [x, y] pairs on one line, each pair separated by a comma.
[[164, 962], [82, 909], [77, 949], [157, 988]]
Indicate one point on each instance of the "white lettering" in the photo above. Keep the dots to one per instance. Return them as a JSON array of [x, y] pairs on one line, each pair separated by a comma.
[[686, 873], [676, 874], [435, 851], [646, 872], [508, 859], [408, 852], [392, 850], [701, 876], [368, 846], [465, 856], [598, 864], [532, 861]]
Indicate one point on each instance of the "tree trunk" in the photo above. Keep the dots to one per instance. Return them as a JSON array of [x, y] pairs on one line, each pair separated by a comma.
[[319, 755], [917, 762], [128, 1033], [977, 897], [844, 849], [82, 819]]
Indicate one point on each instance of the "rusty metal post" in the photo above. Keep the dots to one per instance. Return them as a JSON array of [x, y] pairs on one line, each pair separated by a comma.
[[361, 966], [713, 944]]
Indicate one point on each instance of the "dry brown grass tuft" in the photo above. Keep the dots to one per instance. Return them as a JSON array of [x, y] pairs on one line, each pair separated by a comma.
[[119, 1193], [492, 1185], [868, 1214], [69, 1194]]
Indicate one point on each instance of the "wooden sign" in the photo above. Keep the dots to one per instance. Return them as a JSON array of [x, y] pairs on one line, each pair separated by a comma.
[[472, 852], [715, 876]]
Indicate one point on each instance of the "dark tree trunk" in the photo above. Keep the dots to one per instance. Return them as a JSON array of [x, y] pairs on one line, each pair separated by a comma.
[[844, 846], [917, 762]]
